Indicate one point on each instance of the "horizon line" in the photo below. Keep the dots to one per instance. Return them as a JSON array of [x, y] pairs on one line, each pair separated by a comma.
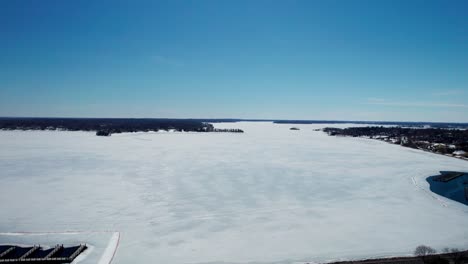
[[239, 119]]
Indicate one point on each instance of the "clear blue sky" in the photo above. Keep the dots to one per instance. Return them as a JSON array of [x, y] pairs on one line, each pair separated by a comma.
[[343, 60]]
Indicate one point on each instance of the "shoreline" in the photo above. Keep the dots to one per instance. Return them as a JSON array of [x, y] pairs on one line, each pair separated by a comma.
[[448, 257]]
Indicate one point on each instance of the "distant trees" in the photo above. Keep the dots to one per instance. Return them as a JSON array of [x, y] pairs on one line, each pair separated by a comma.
[[455, 255], [426, 254], [112, 125], [108, 126], [424, 250], [436, 140], [450, 250], [230, 130], [103, 133]]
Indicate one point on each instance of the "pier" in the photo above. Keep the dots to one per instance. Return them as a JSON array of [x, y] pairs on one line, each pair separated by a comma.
[[37, 254], [446, 176]]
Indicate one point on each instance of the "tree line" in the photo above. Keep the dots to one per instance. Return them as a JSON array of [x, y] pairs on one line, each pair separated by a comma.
[[104, 126], [413, 137]]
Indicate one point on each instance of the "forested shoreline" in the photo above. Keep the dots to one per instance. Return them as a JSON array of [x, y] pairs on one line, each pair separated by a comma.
[[438, 140], [108, 126]]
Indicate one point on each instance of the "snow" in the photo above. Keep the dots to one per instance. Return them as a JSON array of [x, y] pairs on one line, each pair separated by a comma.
[[110, 251], [269, 195]]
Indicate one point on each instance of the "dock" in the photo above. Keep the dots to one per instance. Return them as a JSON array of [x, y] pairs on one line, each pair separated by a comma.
[[37, 254], [446, 176]]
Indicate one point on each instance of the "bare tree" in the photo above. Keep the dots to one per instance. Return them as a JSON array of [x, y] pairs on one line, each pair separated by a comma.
[[423, 250]]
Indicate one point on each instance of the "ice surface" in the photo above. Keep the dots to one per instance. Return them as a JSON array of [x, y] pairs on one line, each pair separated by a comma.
[[269, 195]]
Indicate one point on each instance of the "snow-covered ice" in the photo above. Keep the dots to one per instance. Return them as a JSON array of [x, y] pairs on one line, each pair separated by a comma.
[[269, 195]]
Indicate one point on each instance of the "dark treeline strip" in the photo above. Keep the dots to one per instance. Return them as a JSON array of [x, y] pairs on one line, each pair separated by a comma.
[[459, 257], [394, 123], [104, 126], [229, 130], [434, 139], [379, 123]]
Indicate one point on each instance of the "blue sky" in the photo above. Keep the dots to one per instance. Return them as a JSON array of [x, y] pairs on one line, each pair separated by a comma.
[[341, 60]]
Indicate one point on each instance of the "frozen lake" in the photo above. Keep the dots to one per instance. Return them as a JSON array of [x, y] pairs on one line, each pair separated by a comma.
[[270, 195]]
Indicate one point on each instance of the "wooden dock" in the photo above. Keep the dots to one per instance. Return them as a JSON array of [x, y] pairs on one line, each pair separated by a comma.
[[446, 176], [36, 254]]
